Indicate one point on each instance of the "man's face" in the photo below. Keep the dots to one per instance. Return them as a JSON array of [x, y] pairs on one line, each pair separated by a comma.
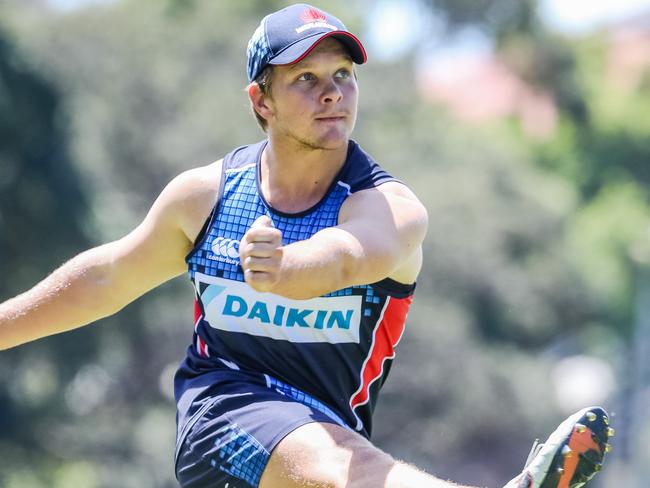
[[314, 102]]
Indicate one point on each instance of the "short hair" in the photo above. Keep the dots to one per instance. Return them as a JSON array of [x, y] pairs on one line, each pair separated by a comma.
[[263, 80]]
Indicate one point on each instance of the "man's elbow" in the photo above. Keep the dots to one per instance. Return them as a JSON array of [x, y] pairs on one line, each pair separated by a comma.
[[371, 267], [98, 286]]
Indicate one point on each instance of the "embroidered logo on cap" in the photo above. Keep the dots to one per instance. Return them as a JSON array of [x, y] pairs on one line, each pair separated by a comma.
[[313, 19], [312, 15]]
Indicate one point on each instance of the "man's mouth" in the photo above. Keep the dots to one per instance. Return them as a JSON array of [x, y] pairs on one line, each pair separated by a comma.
[[330, 118]]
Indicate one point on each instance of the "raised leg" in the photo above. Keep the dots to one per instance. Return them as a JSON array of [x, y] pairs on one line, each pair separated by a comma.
[[319, 455]]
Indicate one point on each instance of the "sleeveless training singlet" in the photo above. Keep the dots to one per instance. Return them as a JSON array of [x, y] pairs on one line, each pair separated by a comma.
[[337, 348]]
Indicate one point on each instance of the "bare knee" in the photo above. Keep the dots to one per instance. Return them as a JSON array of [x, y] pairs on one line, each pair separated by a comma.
[[324, 456]]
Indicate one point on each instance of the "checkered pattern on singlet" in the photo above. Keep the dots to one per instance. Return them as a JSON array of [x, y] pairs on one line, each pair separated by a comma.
[[241, 205]]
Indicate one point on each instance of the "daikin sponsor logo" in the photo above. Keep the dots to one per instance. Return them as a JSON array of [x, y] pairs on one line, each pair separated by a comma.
[[283, 316], [233, 306]]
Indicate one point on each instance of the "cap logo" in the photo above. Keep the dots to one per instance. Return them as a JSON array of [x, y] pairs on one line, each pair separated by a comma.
[[313, 19], [312, 15]]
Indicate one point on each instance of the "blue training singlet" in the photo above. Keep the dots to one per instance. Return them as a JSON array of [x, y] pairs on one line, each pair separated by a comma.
[[337, 348]]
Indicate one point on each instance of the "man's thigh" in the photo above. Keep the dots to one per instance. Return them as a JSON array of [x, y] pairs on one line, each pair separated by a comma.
[[326, 455]]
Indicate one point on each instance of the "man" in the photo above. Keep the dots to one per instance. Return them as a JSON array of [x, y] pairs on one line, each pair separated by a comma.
[[304, 254]]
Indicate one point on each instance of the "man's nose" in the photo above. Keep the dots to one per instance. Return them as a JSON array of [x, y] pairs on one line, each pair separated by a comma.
[[331, 92]]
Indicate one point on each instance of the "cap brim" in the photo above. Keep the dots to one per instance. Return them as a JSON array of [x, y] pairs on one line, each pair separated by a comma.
[[302, 48]]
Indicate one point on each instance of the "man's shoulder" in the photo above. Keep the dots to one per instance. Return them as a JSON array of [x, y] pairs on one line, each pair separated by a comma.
[[242, 156], [362, 172], [202, 183], [200, 179], [366, 176], [192, 194]]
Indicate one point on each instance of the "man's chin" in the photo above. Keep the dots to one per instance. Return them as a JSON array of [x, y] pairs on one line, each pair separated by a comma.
[[334, 145], [326, 143], [334, 141], [331, 140]]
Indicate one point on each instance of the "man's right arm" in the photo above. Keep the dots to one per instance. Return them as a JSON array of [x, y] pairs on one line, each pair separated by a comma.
[[103, 280]]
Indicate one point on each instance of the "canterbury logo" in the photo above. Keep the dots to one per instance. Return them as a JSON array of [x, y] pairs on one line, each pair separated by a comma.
[[226, 248]]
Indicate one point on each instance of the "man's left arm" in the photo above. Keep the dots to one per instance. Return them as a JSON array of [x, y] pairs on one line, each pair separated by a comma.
[[379, 235]]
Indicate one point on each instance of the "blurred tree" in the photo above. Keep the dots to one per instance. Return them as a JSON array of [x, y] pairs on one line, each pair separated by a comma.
[[42, 214], [42, 206], [495, 17], [606, 160]]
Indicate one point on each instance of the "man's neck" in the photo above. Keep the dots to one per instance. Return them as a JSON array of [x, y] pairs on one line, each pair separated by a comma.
[[295, 177]]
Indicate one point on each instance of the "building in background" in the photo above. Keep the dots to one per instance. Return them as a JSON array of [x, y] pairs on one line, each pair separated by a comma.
[[476, 84]]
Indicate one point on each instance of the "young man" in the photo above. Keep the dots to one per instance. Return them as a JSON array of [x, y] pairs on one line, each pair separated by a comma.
[[304, 270]]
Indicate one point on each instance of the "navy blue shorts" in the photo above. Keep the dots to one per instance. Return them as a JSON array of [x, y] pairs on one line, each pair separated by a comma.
[[230, 441]]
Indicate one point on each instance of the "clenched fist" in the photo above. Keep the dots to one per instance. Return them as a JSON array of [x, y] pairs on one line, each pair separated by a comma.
[[260, 254]]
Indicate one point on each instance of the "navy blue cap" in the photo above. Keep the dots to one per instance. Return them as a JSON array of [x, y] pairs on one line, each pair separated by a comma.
[[288, 35]]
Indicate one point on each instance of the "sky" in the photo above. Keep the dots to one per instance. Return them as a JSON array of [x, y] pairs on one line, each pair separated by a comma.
[[566, 15], [396, 25], [67, 5], [577, 16]]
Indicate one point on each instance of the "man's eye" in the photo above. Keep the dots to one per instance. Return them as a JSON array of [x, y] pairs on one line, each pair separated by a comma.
[[343, 73], [306, 77]]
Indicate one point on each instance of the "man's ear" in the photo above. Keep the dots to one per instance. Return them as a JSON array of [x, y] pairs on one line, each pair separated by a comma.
[[259, 101]]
